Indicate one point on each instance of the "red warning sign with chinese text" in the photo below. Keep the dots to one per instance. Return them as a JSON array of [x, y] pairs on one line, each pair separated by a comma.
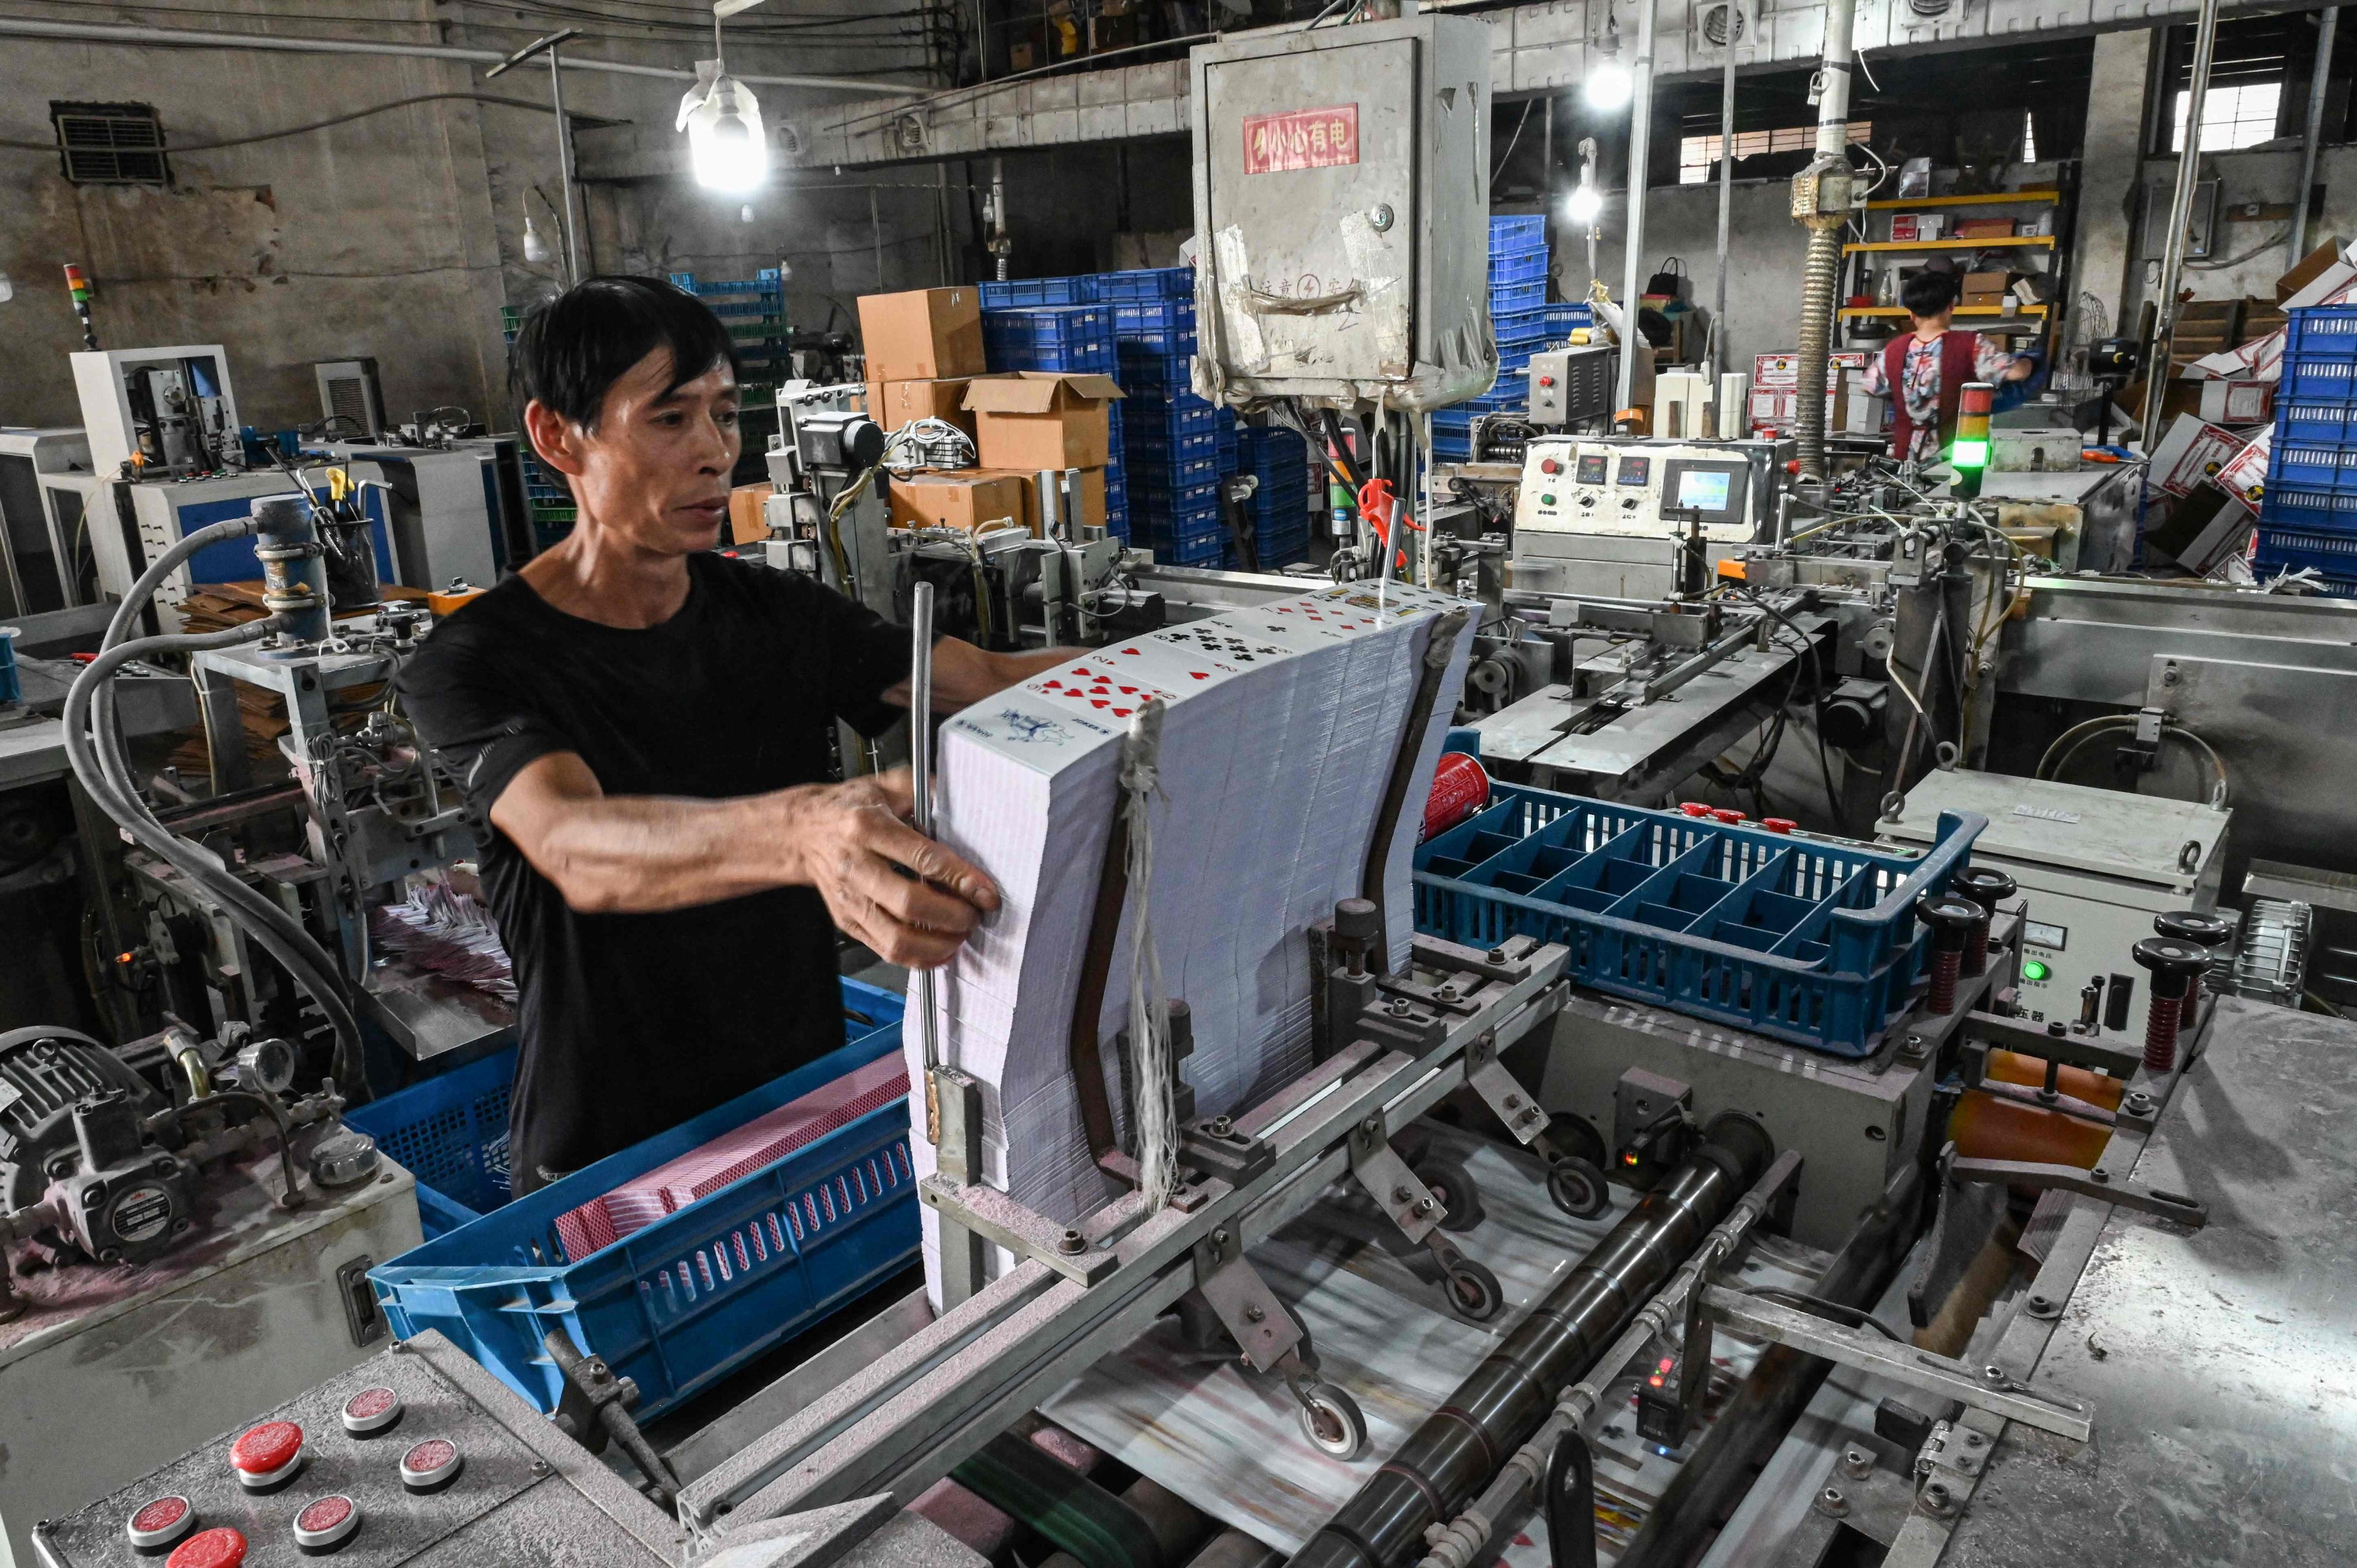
[[1302, 138]]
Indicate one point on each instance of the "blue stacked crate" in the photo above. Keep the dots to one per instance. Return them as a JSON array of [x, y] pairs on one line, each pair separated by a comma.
[[754, 311], [1019, 291], [2308, 514], [1173, 439], [1074, 338], [1518, 274], [1279, 459]]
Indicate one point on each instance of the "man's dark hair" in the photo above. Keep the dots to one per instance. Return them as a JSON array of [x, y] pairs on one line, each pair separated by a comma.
[[1928, 293], [574, 348]]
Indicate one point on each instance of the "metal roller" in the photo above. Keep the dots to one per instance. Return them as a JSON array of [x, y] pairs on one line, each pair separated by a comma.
[[1460, 1446]]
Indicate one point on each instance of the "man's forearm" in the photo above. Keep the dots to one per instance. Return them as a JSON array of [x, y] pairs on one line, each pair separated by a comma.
[[638, 853]]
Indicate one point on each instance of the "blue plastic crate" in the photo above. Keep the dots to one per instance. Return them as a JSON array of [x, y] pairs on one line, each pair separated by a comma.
[[1507, 298], [2315, 511], [1523, 267], [1133, 316], [1160, 446], [451, 1133], [2319, 380], [1173, 473], [1457, 420], [1807, 940], [1147, 282], [2322, 332], [2316, 422], [1168, 342], [1452, 447], [1151, 504], [1146, 372], [681, 1301], [1526, 229], [1566, 317], [1018, 292], [2299, 465], [1208, 550], [2338, 548], [1159, 414], [1521, 326]]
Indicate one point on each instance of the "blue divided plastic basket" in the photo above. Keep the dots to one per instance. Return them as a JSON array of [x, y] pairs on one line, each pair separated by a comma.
[[1524, 268], [1018, 292], [2298, 466], [2315, 511], [1133, 316], [1506, 299], [683, 1301], [2322, 332], [1804, 939], [1518, 231]]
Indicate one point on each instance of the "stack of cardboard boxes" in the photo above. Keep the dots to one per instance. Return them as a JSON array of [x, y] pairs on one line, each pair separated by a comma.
[[1850, 410], [925, 362]]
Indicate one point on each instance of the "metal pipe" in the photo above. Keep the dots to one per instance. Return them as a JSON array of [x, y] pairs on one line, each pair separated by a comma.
[[1641, 150], [183, 38], [564, 164], [2328, 25], [1826, 214], [1720, 421], [1508, 1397], [2181, 215], [920, 783]]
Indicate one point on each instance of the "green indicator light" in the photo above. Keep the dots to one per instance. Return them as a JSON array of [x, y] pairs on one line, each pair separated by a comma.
[[1546, 500], [1970, 455], [2033, 970]]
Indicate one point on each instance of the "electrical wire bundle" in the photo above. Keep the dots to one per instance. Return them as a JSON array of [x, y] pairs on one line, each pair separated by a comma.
[[924, 443]]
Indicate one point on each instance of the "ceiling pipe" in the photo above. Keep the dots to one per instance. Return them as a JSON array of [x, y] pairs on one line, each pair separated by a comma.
[[181, 37], [2157, 372], [1823, 197], [1640, 152]]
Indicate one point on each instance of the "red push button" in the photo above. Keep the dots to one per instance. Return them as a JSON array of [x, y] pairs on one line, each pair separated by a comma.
[[326, 1521], [160, 1522], [433, 1462], [218, 1547], [1724, 815], [1778, 824], [267, 1455], [1546, 380], [1548, 465], [1694, 809], [371, 1411]]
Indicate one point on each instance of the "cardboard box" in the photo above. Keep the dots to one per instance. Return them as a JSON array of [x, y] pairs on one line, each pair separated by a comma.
[[2333, 285], [1994, 282], [1043, 419], [1092, 493], [2245, 474], [894, 404], [961, 499], [2189, 453], [1775, 370], [2308, 270], [2237, 400], [927, 334], [1915, 228], [1984, 228], [747, 523]]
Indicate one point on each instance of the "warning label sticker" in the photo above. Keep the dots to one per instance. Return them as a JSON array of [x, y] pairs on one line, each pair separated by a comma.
[[1302, 138]]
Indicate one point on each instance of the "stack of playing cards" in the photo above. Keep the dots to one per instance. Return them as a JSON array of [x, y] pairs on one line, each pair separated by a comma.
[[764, 1141], [441, 929], [1283, 725]]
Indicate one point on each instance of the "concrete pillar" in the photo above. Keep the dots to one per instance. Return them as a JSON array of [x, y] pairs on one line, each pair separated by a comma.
[[2110, 164]]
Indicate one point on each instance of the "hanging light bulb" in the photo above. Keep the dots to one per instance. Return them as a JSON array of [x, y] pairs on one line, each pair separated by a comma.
[[744, 213], [536, 249], [1610, 83], [1584, 205], [723, 122]]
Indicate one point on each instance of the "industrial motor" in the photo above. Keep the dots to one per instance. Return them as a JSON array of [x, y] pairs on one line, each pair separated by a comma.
[[72, 1131]]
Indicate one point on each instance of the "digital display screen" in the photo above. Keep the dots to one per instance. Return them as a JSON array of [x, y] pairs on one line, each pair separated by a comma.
[[1635, 470], [1704, 488], [1591, 467]]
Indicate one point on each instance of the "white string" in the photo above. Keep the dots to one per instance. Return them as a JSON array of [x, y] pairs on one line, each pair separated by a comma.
[[1149, 1007]]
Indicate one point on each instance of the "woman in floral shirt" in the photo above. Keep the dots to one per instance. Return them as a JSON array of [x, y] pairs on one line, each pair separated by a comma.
[[1931, 366]]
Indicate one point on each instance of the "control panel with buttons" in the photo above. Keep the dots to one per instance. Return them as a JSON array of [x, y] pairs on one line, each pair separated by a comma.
[[416, 1453], [1572, 486]]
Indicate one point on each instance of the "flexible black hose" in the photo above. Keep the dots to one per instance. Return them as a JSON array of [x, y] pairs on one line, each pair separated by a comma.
[[300, 956]]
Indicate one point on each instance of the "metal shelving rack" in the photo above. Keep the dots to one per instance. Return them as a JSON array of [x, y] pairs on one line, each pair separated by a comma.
[[2055, 245]]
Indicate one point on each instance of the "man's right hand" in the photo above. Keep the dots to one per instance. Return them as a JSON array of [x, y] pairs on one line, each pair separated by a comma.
[[908, 899]]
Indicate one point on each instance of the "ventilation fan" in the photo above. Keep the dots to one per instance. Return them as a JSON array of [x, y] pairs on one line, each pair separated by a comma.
[[1930, 8], [1722, 25], [790, 140], [908, 134]]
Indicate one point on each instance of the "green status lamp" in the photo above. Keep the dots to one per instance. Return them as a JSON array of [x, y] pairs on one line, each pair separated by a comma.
[[1970, 455]]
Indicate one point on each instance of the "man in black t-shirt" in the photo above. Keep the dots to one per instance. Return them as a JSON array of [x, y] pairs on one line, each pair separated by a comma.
[[641, 726]]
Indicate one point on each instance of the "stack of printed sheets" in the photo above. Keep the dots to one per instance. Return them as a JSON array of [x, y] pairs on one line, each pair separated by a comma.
[[1282, 729]]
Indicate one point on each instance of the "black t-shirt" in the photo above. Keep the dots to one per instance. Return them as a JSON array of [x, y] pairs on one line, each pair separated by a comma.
[[632, 1023]]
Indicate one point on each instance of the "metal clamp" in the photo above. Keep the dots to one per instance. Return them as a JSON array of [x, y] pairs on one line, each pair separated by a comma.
[[1504, 1093], [984, 1212]]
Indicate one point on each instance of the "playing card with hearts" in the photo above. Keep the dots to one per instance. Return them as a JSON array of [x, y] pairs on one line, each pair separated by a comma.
[[1176, 668], [1113, 693]]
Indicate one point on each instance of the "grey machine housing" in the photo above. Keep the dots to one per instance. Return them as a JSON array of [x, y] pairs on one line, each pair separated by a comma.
[[1346, 281]]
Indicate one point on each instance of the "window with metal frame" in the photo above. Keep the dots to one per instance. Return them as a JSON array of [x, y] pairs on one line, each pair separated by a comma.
[[110, 144]]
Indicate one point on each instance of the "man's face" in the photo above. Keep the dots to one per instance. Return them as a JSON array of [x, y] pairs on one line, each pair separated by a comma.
[[655, 469]]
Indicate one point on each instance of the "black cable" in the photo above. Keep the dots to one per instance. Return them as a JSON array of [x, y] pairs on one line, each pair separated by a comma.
[[1819, 688], [1840, 1312]]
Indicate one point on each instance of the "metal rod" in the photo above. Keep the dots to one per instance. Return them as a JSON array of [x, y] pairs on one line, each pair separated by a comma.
[[2328, 25], [1640, 148], [921, 782], [1719, 426], [565, 167], [184, 37], [2181, 215], [876, 236]]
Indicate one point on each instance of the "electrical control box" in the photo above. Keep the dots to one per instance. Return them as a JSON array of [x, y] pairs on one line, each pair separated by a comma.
[[2095, 866], [1609, 516], [1569, 385], [1342, 213]]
